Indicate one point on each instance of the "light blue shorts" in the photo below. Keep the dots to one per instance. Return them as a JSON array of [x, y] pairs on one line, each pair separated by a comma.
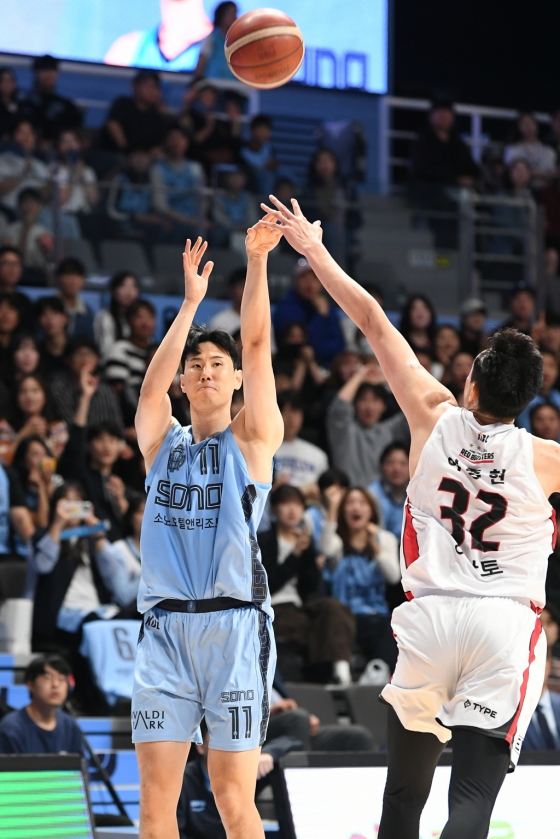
[[217, 665]]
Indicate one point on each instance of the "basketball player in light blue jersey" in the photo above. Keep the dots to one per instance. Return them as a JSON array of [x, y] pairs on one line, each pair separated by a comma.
[[206, 646]]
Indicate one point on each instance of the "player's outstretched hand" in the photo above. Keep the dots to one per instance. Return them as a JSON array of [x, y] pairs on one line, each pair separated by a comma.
[[262, 239], [196, 285], [299, 232]]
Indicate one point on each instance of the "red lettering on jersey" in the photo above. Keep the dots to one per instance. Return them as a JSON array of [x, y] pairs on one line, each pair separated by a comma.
[[411, 551]]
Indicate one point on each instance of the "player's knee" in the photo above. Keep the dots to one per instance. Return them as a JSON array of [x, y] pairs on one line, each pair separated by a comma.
[[232, 801], [406, 800]]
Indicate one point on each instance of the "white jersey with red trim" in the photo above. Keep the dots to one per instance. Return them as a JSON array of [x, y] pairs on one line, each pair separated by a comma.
[[476, 519]]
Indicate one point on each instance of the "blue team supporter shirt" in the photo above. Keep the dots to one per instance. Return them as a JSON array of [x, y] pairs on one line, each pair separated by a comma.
[[358, 583], [199, 534], [20, 735]]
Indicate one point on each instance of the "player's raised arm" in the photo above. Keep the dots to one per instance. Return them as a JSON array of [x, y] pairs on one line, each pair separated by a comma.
[[260, 421], [153, 416], [418, 393]]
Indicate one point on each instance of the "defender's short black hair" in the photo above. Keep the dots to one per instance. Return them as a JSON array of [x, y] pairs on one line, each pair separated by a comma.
[[508, 374], [105, 427], [285, 493], [201, 334], [333, 476], [37, 667], [70, 265]]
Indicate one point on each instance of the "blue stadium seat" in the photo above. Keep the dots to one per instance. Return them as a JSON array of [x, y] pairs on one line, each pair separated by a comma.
[[17, 696]]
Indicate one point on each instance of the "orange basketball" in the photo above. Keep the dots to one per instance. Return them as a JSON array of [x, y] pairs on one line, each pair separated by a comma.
[[264, 48]]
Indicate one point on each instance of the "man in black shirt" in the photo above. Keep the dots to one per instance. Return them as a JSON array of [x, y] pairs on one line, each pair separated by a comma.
[[11, 271], [52, 321], [41, 727], [50, 113], [440, 156], [137, 121]]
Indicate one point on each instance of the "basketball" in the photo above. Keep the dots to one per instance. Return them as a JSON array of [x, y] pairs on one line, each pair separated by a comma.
[[264, 48]]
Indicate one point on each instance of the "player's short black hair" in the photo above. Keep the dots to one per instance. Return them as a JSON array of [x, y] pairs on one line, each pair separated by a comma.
[[105, 427], [201, 334], [36, 667], [286, 493], [333, 476], [290, 399], [397, 446], [70, 265], [508, 374]]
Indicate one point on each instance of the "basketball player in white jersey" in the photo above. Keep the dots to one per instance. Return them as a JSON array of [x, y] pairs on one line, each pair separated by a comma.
[[477, 534]]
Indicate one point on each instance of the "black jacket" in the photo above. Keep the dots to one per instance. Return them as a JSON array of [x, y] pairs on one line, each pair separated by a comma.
[[438, 162], [303, 567]]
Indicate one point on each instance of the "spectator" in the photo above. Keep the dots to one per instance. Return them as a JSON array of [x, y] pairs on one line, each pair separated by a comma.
[[32, 414], [30, 237], [216, 139], [390, 489], [418, 323], [177, 184], [11, 271], [15, 518], [541, 158], [440, 157], [307, 376], [137, 121], [42, 727], [70, 277], [50, 113], [127, 359], [332, 485], [297, 462], [90, 456], [308, 304], [52, 321], [81, 358], [130, 202], [543, 732], [343, 367], [522, 307], [366, 559], [212, 62], [459, 370], [10, 105], [549, 197], [35, 467], [233, 209], [545, 422], [111, 324], [120, 562], [20, 168], [26, 356], [357, 435], [473, 317], [9, 324], [548, 393], [69, 585], [229, 319], [319, 626], [447, 343], [258, 156], [329, 199], [76, 182]]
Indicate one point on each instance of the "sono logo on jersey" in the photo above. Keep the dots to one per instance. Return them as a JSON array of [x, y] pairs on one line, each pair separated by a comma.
[[180, 496]]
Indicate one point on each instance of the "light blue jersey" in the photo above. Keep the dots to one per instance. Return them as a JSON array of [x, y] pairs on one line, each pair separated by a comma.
[[200, 523], [148, 54]]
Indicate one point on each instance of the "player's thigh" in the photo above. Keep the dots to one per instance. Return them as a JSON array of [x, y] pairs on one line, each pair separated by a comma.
[[161, 766], [233, 777]]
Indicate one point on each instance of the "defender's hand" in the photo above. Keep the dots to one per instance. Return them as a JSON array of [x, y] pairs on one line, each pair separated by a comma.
[[196, 285], [299, 233], [261, 239]]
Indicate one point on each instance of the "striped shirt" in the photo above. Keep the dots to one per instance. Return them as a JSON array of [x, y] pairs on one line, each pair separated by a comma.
[[125, 362], [104, 405]]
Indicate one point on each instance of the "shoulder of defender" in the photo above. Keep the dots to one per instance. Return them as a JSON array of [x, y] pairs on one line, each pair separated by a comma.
[[546, 460]]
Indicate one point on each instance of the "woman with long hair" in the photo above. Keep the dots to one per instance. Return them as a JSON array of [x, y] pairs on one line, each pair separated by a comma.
[[366, 559], [111, 324], [418, 323], [26, 358], [35, 465], [32, 415]]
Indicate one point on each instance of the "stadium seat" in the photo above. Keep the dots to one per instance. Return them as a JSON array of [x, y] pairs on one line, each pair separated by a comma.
[[167, 259], [81, 249], [106, 733], [122, 255], [366, 709], [315, 699], [225, 262], [281, 267], [16, 696]]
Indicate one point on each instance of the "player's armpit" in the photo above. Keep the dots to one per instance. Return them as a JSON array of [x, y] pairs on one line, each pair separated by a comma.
[[153, 420]]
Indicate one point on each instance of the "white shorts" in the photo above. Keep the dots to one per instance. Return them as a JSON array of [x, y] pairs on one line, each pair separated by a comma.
[[467, 662]]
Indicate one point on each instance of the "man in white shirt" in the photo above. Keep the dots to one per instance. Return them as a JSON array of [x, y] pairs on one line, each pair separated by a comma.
[[544, 728], [297, 462]]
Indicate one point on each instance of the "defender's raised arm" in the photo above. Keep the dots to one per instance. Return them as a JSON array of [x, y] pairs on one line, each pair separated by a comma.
[[153, 416], [418, 393]]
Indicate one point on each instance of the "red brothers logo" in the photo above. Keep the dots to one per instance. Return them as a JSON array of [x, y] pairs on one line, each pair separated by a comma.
[[477, 456]]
